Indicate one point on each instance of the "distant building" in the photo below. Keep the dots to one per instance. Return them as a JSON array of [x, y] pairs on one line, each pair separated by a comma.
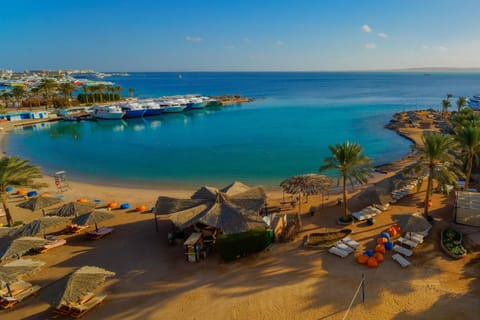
[[18, 116]]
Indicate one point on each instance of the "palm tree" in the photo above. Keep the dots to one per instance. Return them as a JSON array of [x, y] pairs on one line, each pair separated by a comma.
[[445, 105], [100, 89], [461, 103], [35, 95], [352, 166], [469, 139], [47, 86], [119, 90], [131, 91], [466, 117], [86, 91], [449, 96], [437, 156], [7, 96], [18, 93], [17, 172], [67, 90]]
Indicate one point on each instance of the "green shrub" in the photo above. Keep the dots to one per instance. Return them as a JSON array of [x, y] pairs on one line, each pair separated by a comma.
[[232, 246]]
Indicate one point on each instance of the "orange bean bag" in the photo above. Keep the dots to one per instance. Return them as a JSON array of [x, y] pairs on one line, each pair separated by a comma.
[[363, 259], [372, 262], [382, 240], [378, 256], [140, 208], [396, 227], [22, 192], [380, 248], [45, 194], [112, 205], [82, 200]]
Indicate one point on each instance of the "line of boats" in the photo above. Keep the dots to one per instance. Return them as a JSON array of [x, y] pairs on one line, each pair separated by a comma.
[[474, 101], [141, 108]]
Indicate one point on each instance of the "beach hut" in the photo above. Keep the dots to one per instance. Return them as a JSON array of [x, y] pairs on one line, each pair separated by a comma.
[[232, 209]]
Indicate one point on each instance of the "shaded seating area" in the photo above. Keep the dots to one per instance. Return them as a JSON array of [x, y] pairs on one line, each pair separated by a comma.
[[52, 244], [82, 306], [98, 233], [16, 293], [75, 228], [366, 213]]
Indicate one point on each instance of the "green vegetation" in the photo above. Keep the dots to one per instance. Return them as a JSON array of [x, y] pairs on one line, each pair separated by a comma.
[[452, 243], [351, 165], [16, 172], [233, 246]]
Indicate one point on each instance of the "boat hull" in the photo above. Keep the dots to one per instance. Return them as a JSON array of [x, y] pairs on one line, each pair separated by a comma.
[[173, 109], [152, 112], [134, 113], [109, 115]]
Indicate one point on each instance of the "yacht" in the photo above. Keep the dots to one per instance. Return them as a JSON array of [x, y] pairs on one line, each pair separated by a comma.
[[171, 106], [133, 110], [108, 112], [152, 109], [196, 103]]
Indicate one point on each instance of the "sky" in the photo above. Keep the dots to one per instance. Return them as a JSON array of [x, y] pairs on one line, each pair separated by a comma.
[[238, 35]]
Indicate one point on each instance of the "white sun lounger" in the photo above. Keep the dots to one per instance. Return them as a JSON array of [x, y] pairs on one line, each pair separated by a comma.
[[343, 246], [338, 252], [401, 260], [406, 252], [351, 243], [417, 237], [408, 243]]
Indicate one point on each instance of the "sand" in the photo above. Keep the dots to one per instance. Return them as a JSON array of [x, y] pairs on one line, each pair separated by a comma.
[[153, 280]]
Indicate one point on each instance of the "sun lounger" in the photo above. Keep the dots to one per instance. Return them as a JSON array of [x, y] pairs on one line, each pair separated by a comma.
[[351, 243], [401, 260], [417, 237], [406, 252], [98, 234], [51, 245], [75, 228], [79, 310], [339, 252], [8, 302], [342, 246], [408, 243], [15, 288]]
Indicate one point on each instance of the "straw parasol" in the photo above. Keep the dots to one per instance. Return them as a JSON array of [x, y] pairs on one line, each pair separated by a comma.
[[18, 247], [375, 195], [232, 209], [93, 217], [412, 222], [75, 286], [13, 271], [39, 203], [39, 226], [73, 209]]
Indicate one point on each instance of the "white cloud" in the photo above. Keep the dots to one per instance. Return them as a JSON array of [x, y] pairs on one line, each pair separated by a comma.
[[370, 45], [229, 46], [366, 28], [279, 43], [435, 48], [382, 35], [193, 39]]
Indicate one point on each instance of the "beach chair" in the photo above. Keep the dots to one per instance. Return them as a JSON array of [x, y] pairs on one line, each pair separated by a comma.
[[342, 246], [406, 252], [99, 234], [351, 243], [417, 237], [358, 215], [339, 252], [408, 243], [8, 302], [51, 245], [79, 310], [15, 288], [75, 228], [401, 260]]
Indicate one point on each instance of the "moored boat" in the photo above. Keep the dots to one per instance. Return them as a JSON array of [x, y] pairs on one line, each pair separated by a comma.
[[152, 109], [171, 106], [133, 110], [108, 112]]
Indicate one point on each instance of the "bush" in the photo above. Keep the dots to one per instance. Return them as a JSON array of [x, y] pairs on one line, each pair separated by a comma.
[[232, 246]]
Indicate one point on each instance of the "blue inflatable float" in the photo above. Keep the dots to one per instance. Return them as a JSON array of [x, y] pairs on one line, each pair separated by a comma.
[[385, 234], [9, 189], [32, 194], [125, 206], [368, 253], [389, 245]]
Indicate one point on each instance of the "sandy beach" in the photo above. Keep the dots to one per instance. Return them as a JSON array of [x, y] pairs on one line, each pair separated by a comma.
[[286, 281]]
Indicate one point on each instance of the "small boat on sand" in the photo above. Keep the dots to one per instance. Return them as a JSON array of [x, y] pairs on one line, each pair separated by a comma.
[[322, 240]]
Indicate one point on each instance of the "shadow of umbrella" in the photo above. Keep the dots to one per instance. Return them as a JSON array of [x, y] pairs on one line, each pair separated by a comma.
[[72, 288]]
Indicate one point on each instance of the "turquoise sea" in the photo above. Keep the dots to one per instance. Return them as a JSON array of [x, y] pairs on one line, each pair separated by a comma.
[[285, 131]]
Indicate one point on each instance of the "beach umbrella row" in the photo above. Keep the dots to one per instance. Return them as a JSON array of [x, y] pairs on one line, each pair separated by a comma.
[[18, 247], [39, 203]]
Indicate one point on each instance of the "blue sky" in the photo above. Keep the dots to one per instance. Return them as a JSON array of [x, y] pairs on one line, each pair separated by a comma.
[[238, 35]]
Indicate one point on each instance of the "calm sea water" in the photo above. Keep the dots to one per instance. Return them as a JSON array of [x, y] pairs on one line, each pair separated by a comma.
[[285, 131]]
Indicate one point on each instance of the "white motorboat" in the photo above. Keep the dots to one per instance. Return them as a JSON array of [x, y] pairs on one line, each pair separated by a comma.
[[108, 112]]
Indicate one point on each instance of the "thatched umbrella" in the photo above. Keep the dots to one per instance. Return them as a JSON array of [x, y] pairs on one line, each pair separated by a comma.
[[307, 185], [233, 209], [39, 203], [18, 247], [39, 226], [93, 217], [72, 288], [412, 222], [375, 195], [73, 209], [13, 271]]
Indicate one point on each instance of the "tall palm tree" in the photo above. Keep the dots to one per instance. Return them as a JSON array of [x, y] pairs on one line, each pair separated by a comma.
[[119, 90], [35, 95], [437, 156], [461, 103], [48, 87], [131, 91], [449, 96], [466, 117], [352, 166], [86, 92], [100, 89], [469, 140], [67, 90], [445, 105], [16, 172], [18, 93]]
